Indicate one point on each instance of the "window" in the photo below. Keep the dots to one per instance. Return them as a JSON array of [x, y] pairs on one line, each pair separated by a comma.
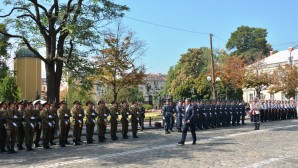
[[272, 96], [251, 97]]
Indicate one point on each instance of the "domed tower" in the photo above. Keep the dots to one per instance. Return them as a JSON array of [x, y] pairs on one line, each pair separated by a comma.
[[27, 67]]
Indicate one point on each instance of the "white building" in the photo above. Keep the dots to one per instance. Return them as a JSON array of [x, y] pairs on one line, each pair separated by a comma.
[[154, 83], [289, 56]]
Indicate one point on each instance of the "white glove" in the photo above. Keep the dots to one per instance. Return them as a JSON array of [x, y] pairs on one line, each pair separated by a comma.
[[66, 115], [32, 118], [127, 119], [15, 116], [50, 116], [163, 118], [80, 121], [53, 122], [127, 113], [50, 124], [117, 113], [138, 113], [80, 115], [14, 124], [138, 119], [4, 125], [117, 119], [93, 121], [93, 114], [105, 115], [66, 122], [32, 125], [39, 123]]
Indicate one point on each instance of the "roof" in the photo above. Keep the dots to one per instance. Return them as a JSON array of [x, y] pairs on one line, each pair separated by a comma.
[[24, 52], [156, 77], [282, 57]]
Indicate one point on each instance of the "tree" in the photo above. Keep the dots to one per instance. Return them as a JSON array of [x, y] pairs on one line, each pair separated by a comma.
[[249, 43], [231, 71], [118, 60], [131, 94], [257, 77], [285, 80], [188, 68], [9, 89], [60, 26], [3, 53]]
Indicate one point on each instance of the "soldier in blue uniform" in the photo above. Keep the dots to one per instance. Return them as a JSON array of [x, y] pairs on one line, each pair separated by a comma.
[[218, 113], [168, 111], [212, 114], [201, 116], [228, 114], [179, 111]]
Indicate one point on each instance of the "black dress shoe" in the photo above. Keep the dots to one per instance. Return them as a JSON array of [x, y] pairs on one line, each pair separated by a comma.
[[180, 143], [193, 143]]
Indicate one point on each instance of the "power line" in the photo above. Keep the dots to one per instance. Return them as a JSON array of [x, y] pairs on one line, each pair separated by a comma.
[[164, 26]]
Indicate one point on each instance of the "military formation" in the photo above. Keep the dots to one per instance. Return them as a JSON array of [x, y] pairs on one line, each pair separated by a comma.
[[30, 123], [209, 114]]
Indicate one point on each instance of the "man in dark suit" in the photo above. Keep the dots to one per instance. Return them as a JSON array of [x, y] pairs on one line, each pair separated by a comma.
[[189, 121]]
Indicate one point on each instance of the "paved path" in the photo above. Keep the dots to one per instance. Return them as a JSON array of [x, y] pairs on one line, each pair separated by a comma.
[[275, 145]]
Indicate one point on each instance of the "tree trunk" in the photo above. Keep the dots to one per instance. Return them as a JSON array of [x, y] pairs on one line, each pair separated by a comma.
[[53, 80]]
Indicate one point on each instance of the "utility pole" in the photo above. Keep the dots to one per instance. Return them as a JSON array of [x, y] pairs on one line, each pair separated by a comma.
[[214, 92]]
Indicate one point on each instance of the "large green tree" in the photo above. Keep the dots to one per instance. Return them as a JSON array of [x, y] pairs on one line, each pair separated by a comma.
[[59, 26], [187, 70], [249, 43]]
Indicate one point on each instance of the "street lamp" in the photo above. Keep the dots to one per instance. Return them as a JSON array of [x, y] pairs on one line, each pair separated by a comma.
[[214, 91]]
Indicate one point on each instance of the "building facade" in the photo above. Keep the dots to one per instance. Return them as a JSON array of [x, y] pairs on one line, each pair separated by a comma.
[[271, 62], [154, 84], [27, 67]]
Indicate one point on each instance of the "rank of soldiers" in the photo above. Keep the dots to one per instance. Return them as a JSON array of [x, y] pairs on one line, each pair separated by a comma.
[[40, 121], [211, 114]]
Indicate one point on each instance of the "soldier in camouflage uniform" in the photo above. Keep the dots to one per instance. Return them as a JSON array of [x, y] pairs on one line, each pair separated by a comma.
[[142, 116], [29, 125], [134, 119], [76, 122], [101, 120], [20, 127], [37, 128], [47, 125], [63, 122], [3, 108], [114, 112], [90, 121], [67, 118], [81, 117], [124, 120], [53, 112], [11, 124]]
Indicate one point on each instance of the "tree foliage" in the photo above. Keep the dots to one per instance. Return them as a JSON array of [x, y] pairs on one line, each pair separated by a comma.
[[9, 89], [118, 60], [257, 77], [4, 44], [285, 80], [59, 26], [249, 43]]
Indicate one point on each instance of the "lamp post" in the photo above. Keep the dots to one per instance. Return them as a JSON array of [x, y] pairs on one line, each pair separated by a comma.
[[290, 58]]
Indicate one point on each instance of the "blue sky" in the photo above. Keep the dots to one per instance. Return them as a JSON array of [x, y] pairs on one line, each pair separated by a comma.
[[219, 17]]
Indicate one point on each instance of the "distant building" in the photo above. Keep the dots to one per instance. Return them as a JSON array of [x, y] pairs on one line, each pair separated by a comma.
[[154, 83], [27, 67], [271, 62]]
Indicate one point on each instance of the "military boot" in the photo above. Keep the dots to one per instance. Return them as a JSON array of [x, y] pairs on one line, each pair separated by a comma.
[[124, 136], [12, 149], [256, 126], [8, 149], [135, 135]]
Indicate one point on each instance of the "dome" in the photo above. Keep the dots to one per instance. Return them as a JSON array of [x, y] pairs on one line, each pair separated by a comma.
[[24, 52]]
